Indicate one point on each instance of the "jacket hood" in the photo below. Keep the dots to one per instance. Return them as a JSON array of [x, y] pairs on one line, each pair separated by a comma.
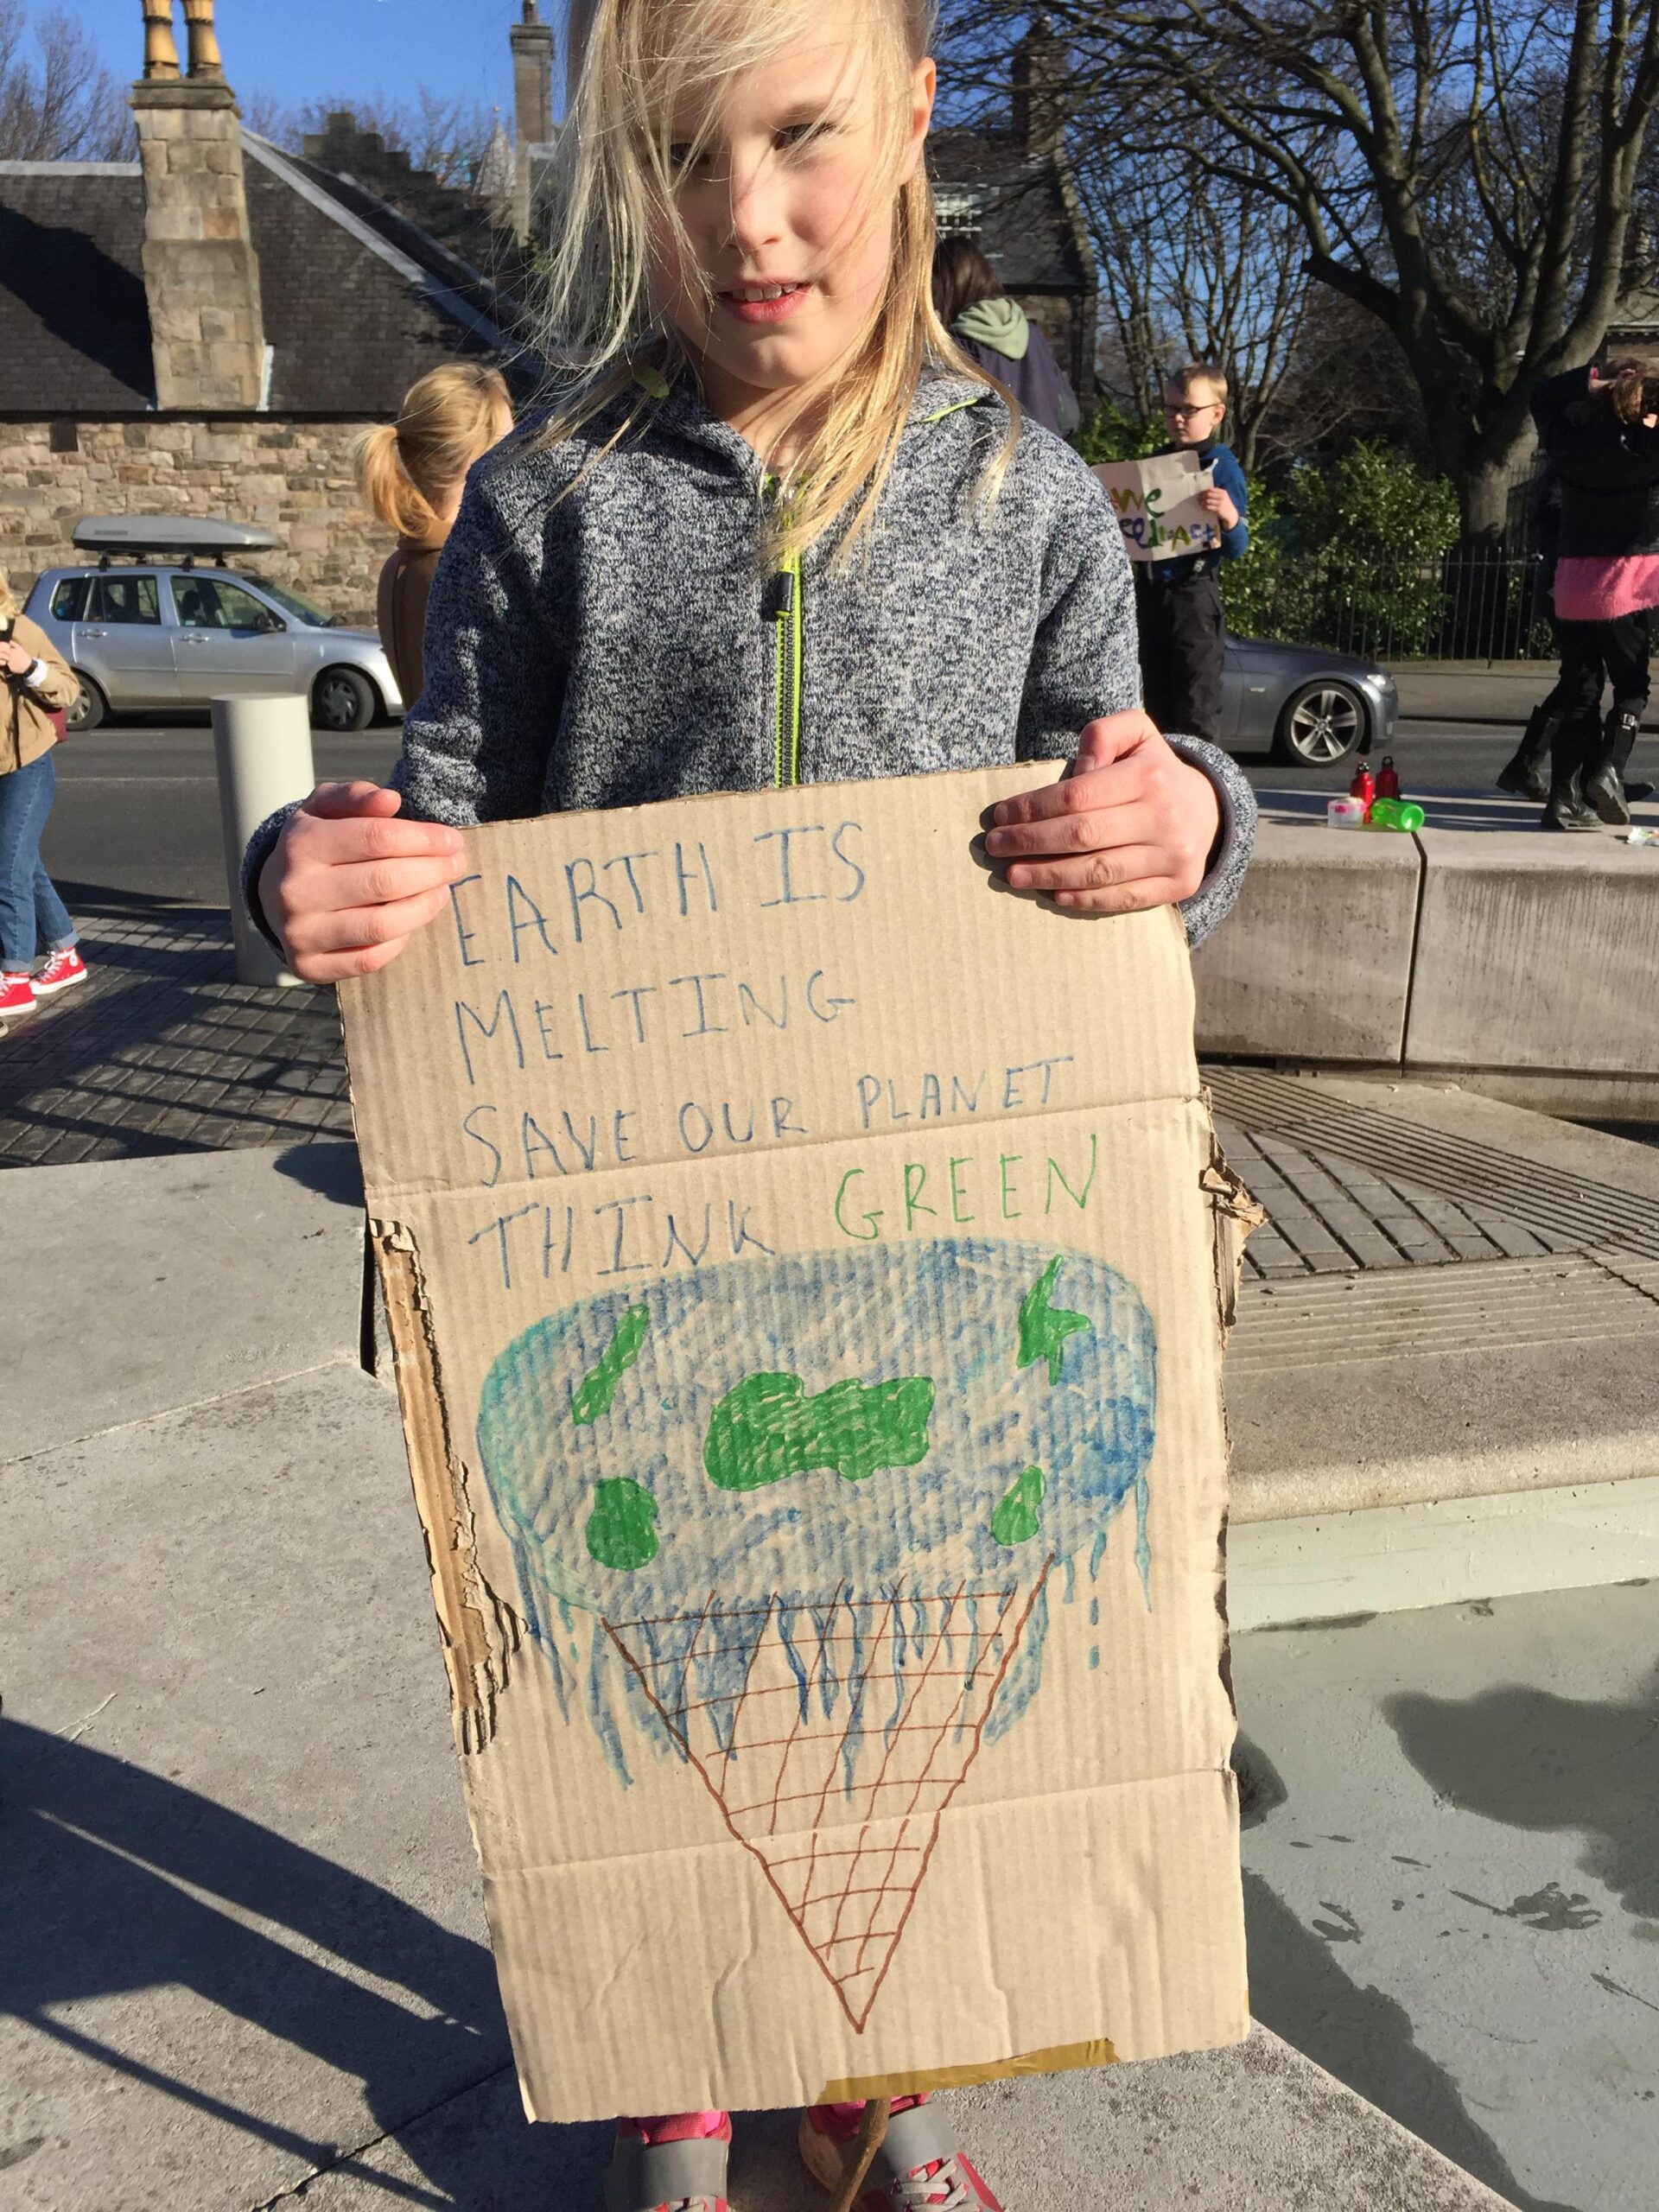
[[998, 324]]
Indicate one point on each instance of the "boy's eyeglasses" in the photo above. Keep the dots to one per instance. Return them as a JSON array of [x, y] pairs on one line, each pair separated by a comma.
[[1208, 407]]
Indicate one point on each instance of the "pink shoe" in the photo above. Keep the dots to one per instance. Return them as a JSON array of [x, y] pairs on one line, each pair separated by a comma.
[[16, 994], [61, 970], [919, 2167]]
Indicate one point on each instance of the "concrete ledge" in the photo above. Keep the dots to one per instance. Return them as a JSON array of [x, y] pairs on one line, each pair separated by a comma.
[[1401, 1558], [1316, 957], [161, 1282], [1536, 953]]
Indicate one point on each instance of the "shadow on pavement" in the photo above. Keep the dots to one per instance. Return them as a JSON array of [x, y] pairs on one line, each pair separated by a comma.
[[1366, 2039], [119, 1880], [1533, 1760]]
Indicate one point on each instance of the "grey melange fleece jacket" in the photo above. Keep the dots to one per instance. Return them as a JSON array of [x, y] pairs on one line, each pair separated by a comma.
[[620, 645]]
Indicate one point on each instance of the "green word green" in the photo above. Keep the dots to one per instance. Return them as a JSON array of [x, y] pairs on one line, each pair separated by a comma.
[[598, 1386], [1015, 1521], [1044, 1328], [769, 1427], [622, 1525]]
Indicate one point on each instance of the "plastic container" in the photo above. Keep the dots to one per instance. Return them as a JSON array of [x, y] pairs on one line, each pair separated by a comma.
[[1395, 814], [1346, 813]]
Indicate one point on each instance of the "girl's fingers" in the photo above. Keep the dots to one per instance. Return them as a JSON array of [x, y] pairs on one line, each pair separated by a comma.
[[1107, 870], [384, 882], [338, 967], [356, 929], [334, 802], [1127, 899]]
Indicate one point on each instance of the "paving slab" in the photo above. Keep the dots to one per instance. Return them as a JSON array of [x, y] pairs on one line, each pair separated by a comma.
[[1450, 1886], [153, 1283], [1256, 2129], [242, 1927]]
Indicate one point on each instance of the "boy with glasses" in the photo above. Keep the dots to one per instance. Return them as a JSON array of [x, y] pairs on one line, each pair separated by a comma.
[[1178, 603]]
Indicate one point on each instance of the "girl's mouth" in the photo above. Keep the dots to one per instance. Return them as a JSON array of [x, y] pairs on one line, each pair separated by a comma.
[[762, 303]]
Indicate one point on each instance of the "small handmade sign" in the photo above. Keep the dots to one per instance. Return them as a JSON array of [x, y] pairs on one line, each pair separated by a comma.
[[804, 1261], [1156, 503]]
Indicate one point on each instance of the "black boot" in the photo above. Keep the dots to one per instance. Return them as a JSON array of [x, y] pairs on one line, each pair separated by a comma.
[[1525, 774], [1565, 808], [1604, 785]]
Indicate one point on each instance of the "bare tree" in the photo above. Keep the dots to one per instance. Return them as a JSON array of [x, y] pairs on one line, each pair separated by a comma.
[[57, 103], [1464, 171], [1211, 274]]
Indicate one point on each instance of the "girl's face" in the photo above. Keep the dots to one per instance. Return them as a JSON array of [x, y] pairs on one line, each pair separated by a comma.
[[788, 215]]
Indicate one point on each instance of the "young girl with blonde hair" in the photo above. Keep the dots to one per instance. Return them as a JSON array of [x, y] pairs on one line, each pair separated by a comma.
[[763, 537], [411, 473]]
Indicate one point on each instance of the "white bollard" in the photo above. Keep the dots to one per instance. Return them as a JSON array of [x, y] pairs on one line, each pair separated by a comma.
[[262, 749]]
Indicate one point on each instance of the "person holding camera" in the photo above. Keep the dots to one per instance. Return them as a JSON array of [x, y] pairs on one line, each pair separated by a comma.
[[36, 687], [1601, 435]]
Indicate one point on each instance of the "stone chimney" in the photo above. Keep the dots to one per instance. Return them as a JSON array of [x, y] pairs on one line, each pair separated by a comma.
[[1039, 70], [202, 277], [531, 41]]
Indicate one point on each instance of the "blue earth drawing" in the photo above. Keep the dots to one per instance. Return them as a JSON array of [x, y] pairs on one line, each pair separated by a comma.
[[799, 1522]]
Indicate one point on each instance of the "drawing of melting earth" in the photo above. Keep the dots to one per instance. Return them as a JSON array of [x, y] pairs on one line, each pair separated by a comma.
[[810, 1512]]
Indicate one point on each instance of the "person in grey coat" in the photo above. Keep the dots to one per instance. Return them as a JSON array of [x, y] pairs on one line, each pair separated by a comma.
[[996, 331]]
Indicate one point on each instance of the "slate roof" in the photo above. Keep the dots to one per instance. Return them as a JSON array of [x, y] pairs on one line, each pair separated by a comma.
[[75, 333], [1026, 229], [353, 317]]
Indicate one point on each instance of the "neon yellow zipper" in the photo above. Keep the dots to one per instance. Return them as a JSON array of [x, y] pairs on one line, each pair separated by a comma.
[[786, 693]]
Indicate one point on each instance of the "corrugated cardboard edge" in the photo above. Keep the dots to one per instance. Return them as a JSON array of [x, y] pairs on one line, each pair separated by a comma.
[[480, 1631], [1062, 2058]]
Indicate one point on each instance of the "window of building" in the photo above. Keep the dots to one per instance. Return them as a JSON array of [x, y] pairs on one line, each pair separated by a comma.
[[63, 436], [959, 209]]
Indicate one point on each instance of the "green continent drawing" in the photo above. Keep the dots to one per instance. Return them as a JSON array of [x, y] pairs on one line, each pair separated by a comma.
[[768, 1427], [594, 1393], [1019, 1510], [622, 1525], [1044, 1328]]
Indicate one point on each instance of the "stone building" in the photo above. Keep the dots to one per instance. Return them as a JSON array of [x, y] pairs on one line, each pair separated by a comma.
[[207, 330]]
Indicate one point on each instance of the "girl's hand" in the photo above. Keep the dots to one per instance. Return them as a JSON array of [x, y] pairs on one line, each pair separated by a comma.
[[15, 659], [347, 883], [1130, 825]]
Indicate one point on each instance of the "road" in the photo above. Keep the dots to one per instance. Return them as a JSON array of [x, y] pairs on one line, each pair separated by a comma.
[[137, 808]]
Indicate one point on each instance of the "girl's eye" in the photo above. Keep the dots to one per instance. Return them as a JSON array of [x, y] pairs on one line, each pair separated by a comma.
[[796, 134]]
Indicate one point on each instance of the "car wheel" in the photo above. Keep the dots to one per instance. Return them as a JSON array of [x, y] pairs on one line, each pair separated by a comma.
[[1323, 721], [343, 700], [87, 709]]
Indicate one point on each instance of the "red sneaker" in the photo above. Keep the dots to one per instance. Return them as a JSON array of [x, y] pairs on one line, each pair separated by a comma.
[[16, 994], [919, 2167], [61, 970]]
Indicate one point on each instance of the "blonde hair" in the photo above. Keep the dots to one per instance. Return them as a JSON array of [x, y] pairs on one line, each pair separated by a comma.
[[1191, 372], [647, 60], [407, 470], [8, 603]]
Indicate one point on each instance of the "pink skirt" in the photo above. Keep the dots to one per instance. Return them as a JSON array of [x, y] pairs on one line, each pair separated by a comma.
[[1600, 589]]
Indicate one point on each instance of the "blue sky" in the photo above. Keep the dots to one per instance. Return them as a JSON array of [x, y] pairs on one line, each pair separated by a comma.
[[296, 50]]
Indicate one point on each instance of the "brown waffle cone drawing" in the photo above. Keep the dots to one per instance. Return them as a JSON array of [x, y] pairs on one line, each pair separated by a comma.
[[854, 1725]]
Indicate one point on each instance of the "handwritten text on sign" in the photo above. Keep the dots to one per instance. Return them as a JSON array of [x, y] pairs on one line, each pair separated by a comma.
[[1156, 503]]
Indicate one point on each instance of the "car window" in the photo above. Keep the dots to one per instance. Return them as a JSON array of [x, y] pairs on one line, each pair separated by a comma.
[[211, 603], [69, 598], [303, 610], [124, 599]]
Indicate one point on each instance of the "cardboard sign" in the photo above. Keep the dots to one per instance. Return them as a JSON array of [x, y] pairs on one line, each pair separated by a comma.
[[806, 1263], [1156, 503]]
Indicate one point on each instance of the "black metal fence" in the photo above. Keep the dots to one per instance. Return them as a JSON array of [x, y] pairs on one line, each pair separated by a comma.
[[1456, 606]]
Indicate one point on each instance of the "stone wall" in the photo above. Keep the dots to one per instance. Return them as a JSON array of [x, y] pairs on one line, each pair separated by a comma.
[[295, 478]]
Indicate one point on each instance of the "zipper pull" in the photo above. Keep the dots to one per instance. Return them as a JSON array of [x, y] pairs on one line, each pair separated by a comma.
[[779, 599]]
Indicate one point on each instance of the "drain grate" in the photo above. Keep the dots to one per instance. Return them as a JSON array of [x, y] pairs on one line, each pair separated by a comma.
[[1344, 1320], [1491, 1189]]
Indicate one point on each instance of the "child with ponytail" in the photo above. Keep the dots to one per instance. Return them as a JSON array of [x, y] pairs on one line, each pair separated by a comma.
[[769, 532], [411, 473]]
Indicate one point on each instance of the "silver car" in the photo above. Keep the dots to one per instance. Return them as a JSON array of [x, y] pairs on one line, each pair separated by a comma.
[[155, 633]]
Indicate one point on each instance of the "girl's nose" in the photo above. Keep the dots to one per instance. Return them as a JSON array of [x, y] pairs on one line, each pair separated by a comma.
[[756, 206]]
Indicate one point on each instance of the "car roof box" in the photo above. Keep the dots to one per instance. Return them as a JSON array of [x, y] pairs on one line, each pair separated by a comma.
[[169, 534]]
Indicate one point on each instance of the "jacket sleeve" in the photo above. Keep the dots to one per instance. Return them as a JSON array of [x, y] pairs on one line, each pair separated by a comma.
[[1231, 479], [475, 746], [1084, 663], [1550, 401], [58, 686]]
